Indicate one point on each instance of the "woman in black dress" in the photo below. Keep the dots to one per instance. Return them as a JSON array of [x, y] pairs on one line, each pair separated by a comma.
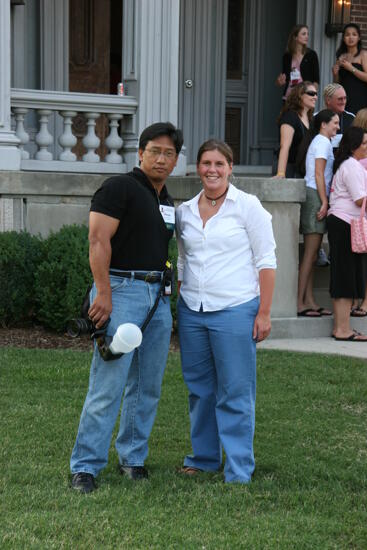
[[350, 69]]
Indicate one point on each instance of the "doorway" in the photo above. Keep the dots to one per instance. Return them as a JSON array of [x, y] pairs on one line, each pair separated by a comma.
[[95, 58], [257, 35]]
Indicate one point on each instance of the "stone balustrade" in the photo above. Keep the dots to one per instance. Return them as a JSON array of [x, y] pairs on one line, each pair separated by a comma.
[[65, 106]]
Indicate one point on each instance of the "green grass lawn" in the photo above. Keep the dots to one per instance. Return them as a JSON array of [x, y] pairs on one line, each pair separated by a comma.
[[309, 489]]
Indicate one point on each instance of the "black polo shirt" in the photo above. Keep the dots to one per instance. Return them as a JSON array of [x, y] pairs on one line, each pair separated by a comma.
[[141, 239]]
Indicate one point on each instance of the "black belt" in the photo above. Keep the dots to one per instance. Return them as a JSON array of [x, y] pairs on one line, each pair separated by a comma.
[[148, 277]]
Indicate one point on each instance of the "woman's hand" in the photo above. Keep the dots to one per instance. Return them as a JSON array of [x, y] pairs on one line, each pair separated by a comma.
[[335, 69], [281, 80], [321, 214], [347, 65], [262, 327]]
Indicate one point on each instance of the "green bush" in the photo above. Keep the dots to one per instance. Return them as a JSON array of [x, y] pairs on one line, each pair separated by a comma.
[[172, 256], [46, 279], [20, 253], [63, 277]]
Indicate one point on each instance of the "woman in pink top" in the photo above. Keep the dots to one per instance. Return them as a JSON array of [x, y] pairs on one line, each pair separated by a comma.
[[360, 310], [348, 270]]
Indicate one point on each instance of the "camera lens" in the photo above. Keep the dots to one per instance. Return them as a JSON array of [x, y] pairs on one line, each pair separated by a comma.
[[76, 327]]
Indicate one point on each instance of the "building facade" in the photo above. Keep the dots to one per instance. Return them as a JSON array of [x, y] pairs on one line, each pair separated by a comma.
[[207, 66]]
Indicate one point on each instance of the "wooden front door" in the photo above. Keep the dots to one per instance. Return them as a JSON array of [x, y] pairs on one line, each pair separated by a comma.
[[89, 60]]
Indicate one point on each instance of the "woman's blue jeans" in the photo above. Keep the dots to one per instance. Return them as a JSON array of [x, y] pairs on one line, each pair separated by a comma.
[[139, 373], [218, 357]]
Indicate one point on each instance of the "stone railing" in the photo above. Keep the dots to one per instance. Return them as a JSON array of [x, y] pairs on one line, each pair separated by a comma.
[[57, 110]]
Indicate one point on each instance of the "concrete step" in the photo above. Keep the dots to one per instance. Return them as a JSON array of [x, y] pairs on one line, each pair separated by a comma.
[[325, 346], [303, 327]]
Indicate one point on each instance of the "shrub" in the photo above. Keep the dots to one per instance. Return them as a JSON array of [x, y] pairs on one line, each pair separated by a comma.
[[63, 277], [20, 253]]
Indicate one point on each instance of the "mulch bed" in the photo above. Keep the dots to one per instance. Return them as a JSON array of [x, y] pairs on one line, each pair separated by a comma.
[[38, 337]]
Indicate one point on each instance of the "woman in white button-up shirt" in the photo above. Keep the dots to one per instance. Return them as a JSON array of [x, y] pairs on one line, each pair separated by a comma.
[[226, 272]]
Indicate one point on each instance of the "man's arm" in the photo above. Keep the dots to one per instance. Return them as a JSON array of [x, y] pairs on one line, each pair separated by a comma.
[[101, 230]]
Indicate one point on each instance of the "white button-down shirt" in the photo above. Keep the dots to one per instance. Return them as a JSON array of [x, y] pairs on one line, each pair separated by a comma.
[[219, 264]]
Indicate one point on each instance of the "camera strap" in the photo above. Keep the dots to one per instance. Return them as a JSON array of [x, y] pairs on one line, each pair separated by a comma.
[[100, 335], [159, 296]]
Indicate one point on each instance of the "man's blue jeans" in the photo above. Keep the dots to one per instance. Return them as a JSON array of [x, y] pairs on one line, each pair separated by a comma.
[[140, 373], [218, 357]]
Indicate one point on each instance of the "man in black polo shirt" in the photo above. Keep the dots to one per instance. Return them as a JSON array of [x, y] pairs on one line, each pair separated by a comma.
[[130, 224]]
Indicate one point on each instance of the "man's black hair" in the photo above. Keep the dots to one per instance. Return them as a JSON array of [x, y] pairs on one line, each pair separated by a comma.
[[159, 129]]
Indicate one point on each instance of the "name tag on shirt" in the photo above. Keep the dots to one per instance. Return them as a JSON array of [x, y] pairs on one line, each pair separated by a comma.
[[295, 76], [168, 214]]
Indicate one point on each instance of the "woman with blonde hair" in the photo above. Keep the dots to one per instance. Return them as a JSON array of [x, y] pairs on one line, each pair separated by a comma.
[[361, 119], [300, 63]]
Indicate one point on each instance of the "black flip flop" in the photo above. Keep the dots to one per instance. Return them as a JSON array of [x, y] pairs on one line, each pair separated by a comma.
[[306, 313], [352, 338], [358, 312], [324, 312]]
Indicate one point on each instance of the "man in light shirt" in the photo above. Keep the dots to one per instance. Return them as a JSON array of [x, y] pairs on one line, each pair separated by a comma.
[[335, 99]]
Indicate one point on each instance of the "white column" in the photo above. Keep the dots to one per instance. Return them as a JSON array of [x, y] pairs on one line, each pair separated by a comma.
[[9, 152], [67, 140], [91, 141], [20, 132], [151, 60]]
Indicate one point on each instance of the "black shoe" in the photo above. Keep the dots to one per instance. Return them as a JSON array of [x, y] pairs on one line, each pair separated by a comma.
[[134, 472], [83, 482]]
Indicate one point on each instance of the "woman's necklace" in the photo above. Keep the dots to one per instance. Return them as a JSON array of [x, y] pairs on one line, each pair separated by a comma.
[[214, 201]]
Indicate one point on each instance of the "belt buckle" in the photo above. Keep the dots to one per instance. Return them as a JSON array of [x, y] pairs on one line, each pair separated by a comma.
[[149, 277]]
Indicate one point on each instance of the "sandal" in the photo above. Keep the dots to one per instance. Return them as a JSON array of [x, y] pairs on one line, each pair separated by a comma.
[[351, 338], [358, 312], [309, 312], [189, 470], [324, 312]]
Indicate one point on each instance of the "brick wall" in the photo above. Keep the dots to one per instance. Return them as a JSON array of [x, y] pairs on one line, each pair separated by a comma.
[[359, 16]]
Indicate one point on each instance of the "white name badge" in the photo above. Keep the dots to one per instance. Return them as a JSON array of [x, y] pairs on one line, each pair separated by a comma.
[[295, 76], [168, 214]]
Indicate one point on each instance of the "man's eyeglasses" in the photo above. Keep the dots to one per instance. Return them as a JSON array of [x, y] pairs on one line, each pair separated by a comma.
[[155, 153], [311, 93]]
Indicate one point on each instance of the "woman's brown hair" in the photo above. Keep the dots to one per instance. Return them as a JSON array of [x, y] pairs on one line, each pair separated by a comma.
[[294, 100], [291, 44], [216, 145]]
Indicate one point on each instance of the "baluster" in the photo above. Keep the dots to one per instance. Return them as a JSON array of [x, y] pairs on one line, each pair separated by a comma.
[[43, 138], [114, 141], [22, 135], [90, 140], [67, 140]]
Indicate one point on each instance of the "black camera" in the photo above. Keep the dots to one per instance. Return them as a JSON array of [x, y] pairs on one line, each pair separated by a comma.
[[83, 324]]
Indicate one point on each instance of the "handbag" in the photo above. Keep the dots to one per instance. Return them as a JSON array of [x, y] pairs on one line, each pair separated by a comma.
[[358, 231]]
